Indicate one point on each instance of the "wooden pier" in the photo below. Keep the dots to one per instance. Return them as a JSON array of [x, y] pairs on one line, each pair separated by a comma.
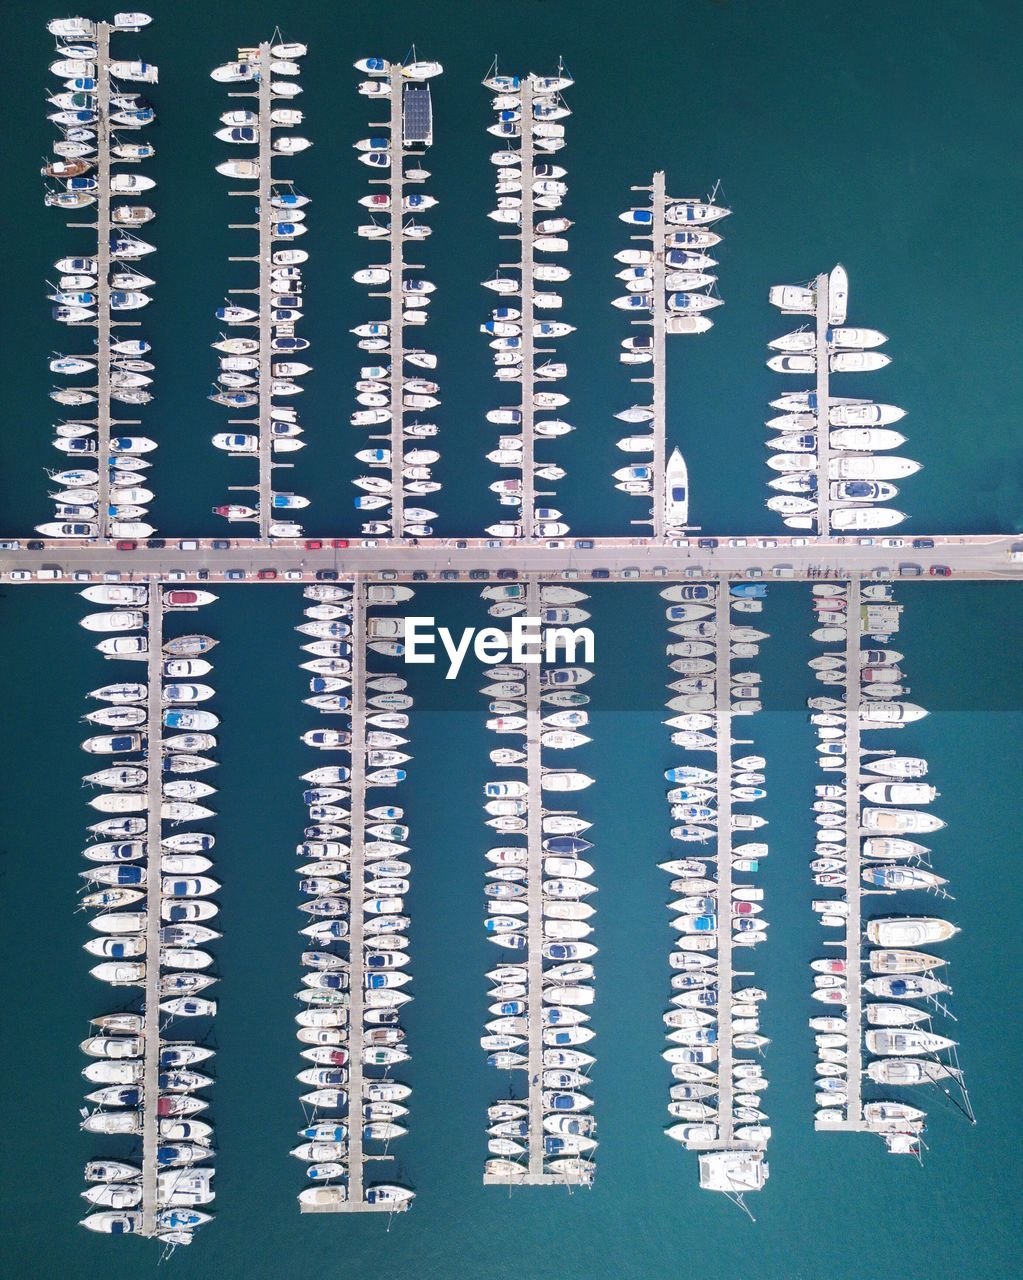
[[528, 287], [822, 295], [723, 783], [854, 888], [154, 882], [104, 140], [264, 191], [658, 379], [396, 328]]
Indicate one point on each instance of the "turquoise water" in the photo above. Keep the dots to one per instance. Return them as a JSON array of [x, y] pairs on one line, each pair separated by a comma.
[[831, 1201], [840, 134]]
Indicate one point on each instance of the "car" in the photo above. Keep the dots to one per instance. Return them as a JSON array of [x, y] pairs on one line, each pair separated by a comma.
[[20, 575], [507, 573], [266, 575], [387, 575], [631, 572], [754, 572], [326, 575], [923, 544], [694, 571], [735, 542], [767, 543], [203, 574], [10, 546], [233, 575], [557, 545], [156, 543], [584, 544], [707, 544], [50, 573], [680, 543], [449, 575], [294, 575], [370, 542], [800, 542], [177, 575], [82, 575], [910, 571], [865, 542], [940, 571], [420, 575], [312, 544], [111, 575], [893, 542], [126, 544], [36, 544], [569, 575], [339, 544], [477, 574], [494, 544], [600, 573], [782, 571], [659, 571], [188, 544], [461, 544], [220, 544]]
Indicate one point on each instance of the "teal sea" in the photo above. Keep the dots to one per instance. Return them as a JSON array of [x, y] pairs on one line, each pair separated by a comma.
[[874, 135]]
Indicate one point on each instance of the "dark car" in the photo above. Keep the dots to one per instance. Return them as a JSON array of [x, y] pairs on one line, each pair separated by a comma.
[[707, 544], [923, 544], [600, 573], [507, 573], [940, 571], [220, 544], [203, 574], [420, 575], [326, 575], [584, 544], [449, 575], [234, 574], [461, 544], [156, 543], [35, 545], [478, 573]]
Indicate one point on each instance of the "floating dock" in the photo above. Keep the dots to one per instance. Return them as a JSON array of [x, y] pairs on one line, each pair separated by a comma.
[[154, 903], [822, 293], [104, 320]]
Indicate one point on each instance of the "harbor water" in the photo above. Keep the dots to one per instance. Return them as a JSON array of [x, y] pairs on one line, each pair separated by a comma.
[[873, 135]]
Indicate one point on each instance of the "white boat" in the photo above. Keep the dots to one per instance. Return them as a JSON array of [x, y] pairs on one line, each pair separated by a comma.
[[676, 491], [909, 931]]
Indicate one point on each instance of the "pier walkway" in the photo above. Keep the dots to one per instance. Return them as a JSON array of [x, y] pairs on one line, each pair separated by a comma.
[[265, 388], [854, 887], [154, 838], [104, 141], [526, 266], [658, 378], [823, 407], [396, 326]]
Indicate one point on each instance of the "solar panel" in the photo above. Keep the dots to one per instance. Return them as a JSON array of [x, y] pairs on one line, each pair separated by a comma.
[[417, 114]]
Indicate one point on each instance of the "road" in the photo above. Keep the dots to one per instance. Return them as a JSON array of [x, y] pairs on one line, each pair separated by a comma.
[[974, 558]]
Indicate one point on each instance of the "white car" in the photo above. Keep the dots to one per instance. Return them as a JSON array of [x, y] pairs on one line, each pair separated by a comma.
[[20, 575]]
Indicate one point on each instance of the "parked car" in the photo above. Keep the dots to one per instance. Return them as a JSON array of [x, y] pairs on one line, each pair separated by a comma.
[[126, 544], [449, 575], [940, 571], [707, 544], [600, 573], [507, 573], [923, 544], [326, 575], [156, 543], [220, 544], [266, 574], [234, 574], [312, 544], [420, 575]]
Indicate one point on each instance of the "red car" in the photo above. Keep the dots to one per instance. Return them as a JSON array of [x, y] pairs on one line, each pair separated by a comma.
[[127, 544], [313, 544], [339, 543], [940, 571], [267, 573]]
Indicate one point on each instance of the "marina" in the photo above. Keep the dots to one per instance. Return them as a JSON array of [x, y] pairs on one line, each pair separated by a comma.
[[873, 981], [665, 284], [354, 877], [537, 905], [148, 869], [831, 476], [528, 112], [152, 892], [96, 294], [716, 1100], [252, 374], [387, 395]]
